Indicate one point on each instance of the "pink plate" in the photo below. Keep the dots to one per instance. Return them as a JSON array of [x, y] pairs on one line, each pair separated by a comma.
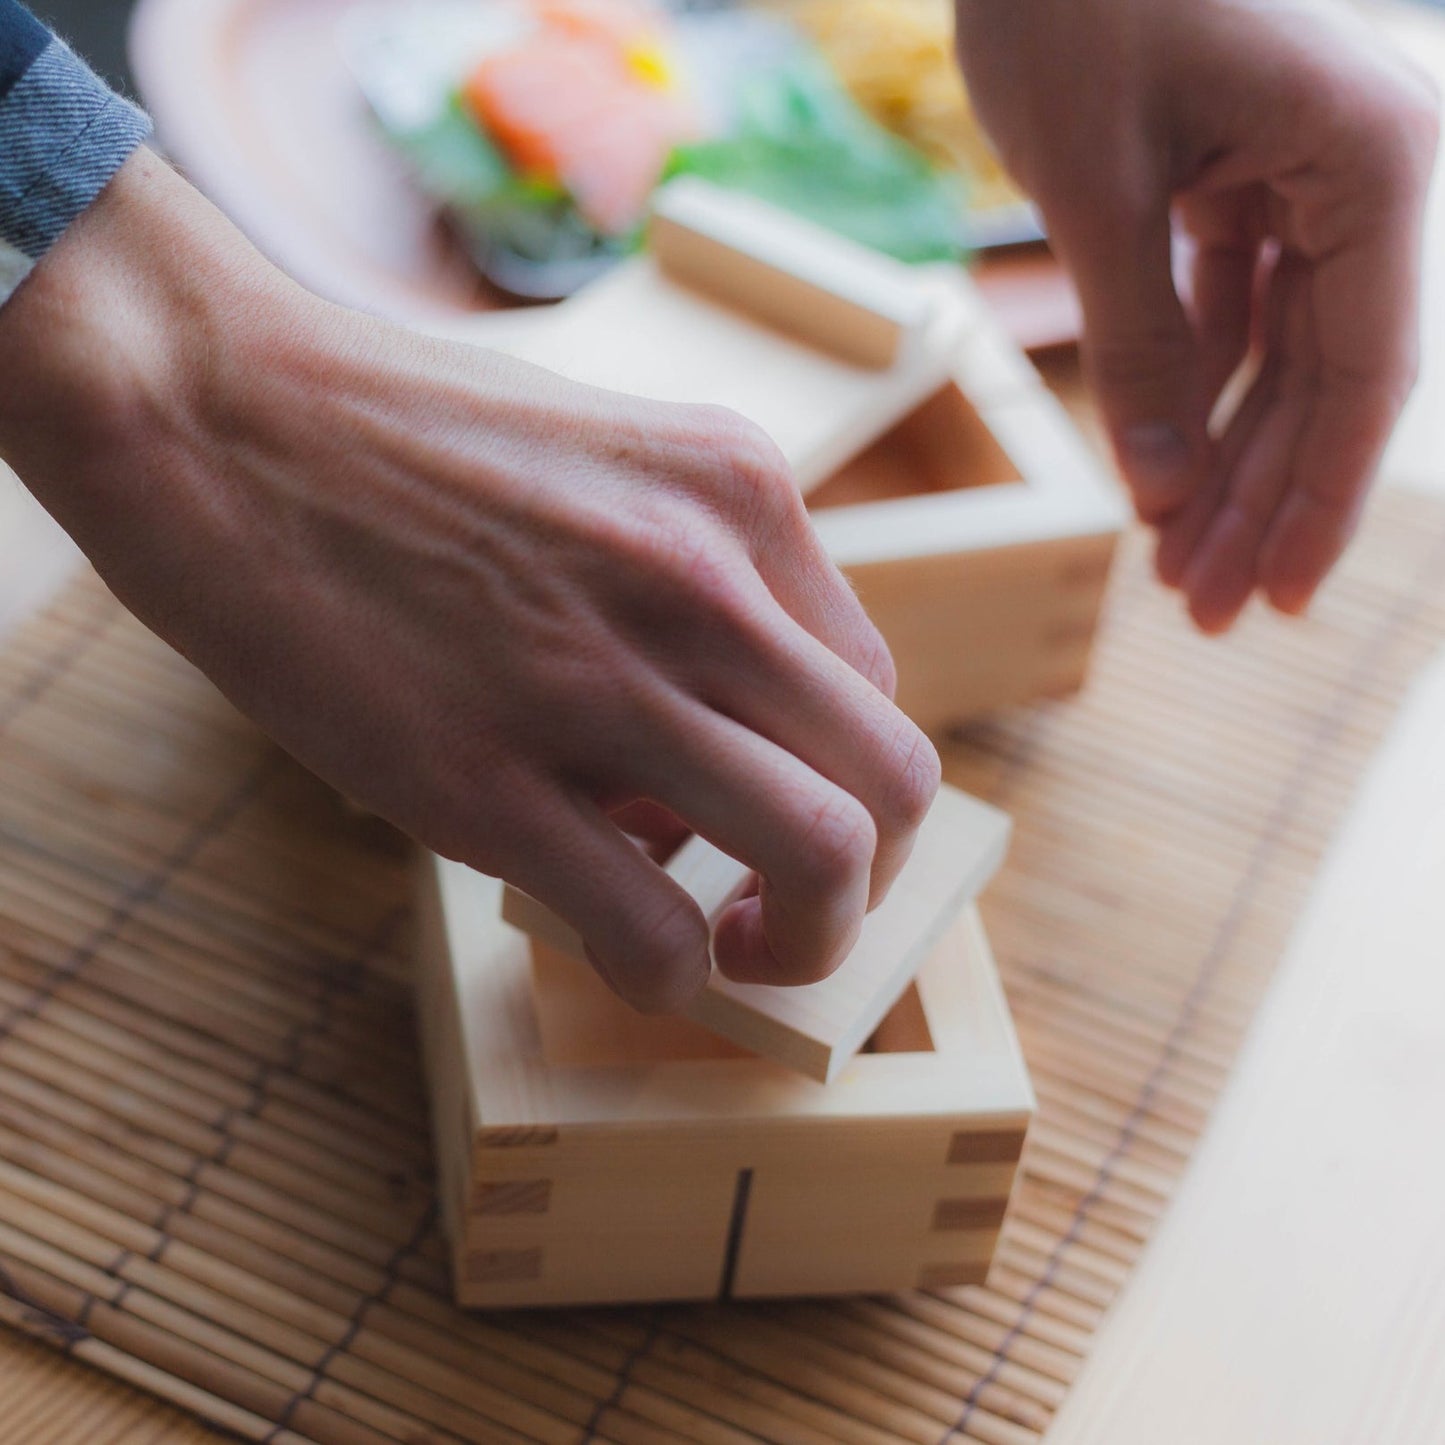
[[254, 100]]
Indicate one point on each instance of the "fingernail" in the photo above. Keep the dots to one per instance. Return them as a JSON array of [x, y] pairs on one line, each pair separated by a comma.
[[1156, 463]]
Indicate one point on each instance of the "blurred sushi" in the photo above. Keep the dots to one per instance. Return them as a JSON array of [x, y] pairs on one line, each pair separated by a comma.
[[542, 127], [589, 102]]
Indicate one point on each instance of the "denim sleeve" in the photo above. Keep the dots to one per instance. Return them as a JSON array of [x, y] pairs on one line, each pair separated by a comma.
[[63, 135]]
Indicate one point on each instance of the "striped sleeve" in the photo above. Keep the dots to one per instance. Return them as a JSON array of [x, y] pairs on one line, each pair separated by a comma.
[[63, 135]]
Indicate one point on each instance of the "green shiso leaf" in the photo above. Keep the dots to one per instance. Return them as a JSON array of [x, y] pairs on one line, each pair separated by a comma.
[[453, 159], [804, 144], [456, 163]]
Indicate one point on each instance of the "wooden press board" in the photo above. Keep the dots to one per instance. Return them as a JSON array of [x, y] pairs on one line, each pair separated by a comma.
[[818, 1027]]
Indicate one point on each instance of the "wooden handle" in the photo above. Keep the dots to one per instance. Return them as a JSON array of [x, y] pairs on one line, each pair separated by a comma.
[[817, 286]]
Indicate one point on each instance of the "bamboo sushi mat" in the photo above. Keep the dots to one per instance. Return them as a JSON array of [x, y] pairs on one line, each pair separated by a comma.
[[214, 1173]]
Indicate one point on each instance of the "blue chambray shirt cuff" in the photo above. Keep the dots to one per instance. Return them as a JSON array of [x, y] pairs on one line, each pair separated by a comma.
[[63, 134]]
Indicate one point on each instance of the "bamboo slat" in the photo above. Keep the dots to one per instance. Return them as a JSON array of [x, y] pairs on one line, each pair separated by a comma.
[[214, 1177]]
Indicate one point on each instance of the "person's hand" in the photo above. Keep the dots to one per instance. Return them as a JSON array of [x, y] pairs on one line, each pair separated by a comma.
[[502, 610], [1293, 149]]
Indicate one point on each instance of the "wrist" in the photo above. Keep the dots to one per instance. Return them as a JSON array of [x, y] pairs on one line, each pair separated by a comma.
[[110, 345]]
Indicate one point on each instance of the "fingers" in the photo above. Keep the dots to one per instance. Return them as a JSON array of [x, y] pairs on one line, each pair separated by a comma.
[[806, 700], [1365, 312], [816, 676], [1180, 535], [779, 755], [1254, 462], [644, 935], [1295, 465], [1139, 347], [1222, 303], [789, 652], [805, 770], [1338, 350], [1223, 572], [1228, 267], [811, 842]]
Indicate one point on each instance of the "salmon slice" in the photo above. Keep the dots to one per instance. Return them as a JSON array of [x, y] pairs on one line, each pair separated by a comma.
[[567, 108]]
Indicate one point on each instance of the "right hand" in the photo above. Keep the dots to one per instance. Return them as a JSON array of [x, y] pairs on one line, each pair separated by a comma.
[[493, 606]]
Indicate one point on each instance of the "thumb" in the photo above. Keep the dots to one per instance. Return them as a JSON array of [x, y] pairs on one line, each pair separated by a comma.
[[1140, 350]]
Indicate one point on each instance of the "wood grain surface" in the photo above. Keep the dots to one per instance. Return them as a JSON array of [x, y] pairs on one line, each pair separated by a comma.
[[1296, 1291]]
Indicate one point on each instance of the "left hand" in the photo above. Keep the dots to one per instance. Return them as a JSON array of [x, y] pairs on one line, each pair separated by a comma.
[[1292, 149]]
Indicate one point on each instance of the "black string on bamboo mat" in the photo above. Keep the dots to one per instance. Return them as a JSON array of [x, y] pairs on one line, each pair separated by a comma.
[[57, 666], [391, 1274], [87, 1307], [652, 1332], [314, 1025], [146, 891], [64, 1332]]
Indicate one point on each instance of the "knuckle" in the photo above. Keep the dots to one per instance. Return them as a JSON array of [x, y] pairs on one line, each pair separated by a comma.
[[1401, 144], [715, 589], [750, 476], [679, 558], [674, 548], [837, 846], [671, 948], [725, 602], [914, 783], [1311, 88], [1420, 118], [1382, 115]]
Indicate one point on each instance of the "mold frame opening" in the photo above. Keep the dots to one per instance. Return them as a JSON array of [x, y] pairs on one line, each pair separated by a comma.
[[582, 1023]]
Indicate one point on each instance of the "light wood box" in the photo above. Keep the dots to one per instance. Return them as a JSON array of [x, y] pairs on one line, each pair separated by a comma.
[[979, 532], [591, 1155]]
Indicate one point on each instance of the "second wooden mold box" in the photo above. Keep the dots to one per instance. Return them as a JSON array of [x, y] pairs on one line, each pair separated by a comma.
[[943, 476], [589, 1154]]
